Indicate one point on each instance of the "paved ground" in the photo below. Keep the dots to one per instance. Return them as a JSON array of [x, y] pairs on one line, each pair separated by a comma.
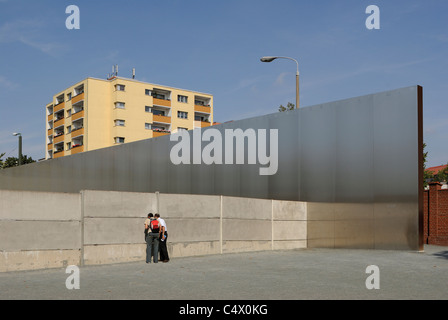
[[284, 275]]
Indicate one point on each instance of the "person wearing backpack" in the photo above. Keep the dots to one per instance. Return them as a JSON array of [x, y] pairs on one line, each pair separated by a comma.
[[147, 221], [152, 239]]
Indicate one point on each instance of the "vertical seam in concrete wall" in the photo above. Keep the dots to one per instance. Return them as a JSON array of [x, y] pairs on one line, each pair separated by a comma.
[[81, 257], [306, 224], [220, 225], [272, 224], [157, 200]]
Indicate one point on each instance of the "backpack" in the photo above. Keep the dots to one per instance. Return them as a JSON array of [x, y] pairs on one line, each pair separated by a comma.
[[154, 225]]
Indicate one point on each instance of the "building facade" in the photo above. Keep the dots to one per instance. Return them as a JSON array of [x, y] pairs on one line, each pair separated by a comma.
[[97, 113]]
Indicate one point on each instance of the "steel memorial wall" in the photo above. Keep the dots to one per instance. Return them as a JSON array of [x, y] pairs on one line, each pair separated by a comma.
[[365, 150]]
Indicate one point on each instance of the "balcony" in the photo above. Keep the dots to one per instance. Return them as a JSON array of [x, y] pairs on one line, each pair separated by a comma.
[[203, 109], [161, 102], [161, 119], [58, 154], [59, 107], [159, 133], [78, 115], [58, 139], [77, 132], [78, 98], [50, 132], [50, 117], [58, 123], [201, 124], [77, 149]]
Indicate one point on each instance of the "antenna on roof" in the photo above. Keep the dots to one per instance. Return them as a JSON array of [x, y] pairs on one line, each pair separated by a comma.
[[114, 72], [133, 73]]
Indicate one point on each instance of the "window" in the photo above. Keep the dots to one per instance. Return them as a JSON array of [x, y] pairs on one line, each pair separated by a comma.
[[79, 90], [148, 126], [148, 92], [78, 124], [182, 98], [201, 118], [119, 105], [77, 142], [69, 145], [119, 140], [182, 115], [119, 123], [158, 96], [69, 129], [69, 96], [147, 109], [60, 99], [59, 115], [119, 87], [158, 112], [158, 128]]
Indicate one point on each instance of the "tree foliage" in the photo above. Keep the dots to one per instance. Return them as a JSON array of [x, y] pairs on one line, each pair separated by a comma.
[[428, 176], [442, 175], [14, 161], [289, 106]]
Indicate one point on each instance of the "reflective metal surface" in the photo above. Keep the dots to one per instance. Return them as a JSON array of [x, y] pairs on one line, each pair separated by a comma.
[[360, 150]]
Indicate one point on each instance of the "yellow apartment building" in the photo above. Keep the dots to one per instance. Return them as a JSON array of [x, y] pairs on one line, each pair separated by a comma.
[[97, 113]]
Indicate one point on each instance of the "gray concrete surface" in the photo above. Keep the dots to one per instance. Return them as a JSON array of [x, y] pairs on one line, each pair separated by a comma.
[[269, 275], [101, 227]]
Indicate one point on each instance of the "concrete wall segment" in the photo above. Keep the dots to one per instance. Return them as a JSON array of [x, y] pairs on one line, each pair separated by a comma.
[[33, 205]]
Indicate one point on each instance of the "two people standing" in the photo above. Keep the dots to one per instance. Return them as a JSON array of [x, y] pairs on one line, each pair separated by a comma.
[[156, 235]]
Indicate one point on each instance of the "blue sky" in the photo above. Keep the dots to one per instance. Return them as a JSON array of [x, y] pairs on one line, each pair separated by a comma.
[[215, 46]]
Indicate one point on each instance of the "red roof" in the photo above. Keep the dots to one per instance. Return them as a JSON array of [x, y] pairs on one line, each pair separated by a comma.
[[435, 170]]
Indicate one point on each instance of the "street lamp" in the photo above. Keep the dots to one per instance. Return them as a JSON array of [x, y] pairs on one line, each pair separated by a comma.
[[20, 147], [270, 59]]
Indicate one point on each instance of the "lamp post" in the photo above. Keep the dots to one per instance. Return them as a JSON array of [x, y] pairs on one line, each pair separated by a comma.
[[270, 59], [20, 147]]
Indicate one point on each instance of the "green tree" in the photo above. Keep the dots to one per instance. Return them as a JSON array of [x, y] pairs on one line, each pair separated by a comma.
[[427, 175], [289, 106], [14, 162], [1, 161], [442, 175]]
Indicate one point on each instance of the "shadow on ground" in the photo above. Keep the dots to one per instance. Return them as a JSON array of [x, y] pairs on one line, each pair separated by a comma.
[[441, 254]]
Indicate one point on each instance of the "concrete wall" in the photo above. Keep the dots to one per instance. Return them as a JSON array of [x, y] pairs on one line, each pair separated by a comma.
[[49, 230], [113, 225], [39, 230]]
